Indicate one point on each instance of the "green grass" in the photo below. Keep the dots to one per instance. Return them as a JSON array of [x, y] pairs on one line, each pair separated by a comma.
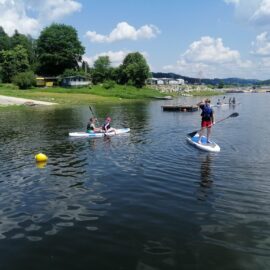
[[95, 94], [88, 95], [205, 93], [126, 92]]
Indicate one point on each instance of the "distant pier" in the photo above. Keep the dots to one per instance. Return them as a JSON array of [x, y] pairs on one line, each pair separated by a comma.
[[180, 108]]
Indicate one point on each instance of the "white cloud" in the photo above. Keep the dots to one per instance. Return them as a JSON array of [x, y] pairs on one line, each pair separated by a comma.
[[262, 14], [116, 58], [256, 12], [210, 50], [209, 56], [124, 31], [261, 46], [28, 16], [235, 2], [56, 9], [13, 16]]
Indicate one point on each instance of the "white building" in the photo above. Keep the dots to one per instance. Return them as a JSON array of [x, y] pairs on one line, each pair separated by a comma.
[[162, 81]]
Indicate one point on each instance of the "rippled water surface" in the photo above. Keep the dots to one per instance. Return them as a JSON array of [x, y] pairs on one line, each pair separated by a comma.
[[144, 201]]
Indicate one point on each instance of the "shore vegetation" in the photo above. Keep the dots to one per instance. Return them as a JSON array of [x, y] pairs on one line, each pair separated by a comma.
[[85, 95]]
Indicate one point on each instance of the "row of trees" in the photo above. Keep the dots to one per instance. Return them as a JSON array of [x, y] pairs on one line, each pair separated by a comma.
[[58, 51]]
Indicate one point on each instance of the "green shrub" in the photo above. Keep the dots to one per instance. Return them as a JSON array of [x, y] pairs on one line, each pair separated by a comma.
[[24, 80], [109, 84]]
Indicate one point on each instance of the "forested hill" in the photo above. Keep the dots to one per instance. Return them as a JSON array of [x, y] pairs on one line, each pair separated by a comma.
[[228, 81]]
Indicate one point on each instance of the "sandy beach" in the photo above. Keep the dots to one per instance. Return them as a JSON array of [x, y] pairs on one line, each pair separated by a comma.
[[6, 100]]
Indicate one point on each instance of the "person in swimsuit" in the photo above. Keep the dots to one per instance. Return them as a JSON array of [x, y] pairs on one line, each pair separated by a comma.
[[107, 126], [91, 126]]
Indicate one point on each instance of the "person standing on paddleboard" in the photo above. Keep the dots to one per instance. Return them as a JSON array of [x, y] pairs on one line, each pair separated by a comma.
[[208, 119]]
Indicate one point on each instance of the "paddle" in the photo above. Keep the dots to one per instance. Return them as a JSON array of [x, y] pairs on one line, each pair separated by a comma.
[[94, 115], [96, 119], [231, 115]]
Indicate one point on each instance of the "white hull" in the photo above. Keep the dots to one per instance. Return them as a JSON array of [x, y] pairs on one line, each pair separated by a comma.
[[99, 134], [209, 147]]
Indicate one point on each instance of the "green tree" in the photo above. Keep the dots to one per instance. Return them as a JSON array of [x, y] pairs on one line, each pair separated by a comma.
[[25, 41], [58, 48], [24, 80], [101, 70], [4, 40], [13, 62], [221, 85], [134, 70]]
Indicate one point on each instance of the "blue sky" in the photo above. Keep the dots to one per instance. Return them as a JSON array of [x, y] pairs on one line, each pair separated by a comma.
[[198, 38]]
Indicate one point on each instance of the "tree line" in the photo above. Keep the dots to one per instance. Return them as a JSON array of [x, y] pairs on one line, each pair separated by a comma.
[[58, 52]]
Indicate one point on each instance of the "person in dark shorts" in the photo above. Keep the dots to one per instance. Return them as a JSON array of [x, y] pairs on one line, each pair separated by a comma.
[[208, 119]]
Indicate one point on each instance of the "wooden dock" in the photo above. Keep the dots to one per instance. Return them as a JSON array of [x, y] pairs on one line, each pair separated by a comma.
[[180, 108]]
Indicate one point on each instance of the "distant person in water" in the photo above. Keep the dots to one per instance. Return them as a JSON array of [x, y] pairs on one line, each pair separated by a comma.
[[219, 102], [233, 100], [107, 126], [91, 126], [230, 100], [208, 119]]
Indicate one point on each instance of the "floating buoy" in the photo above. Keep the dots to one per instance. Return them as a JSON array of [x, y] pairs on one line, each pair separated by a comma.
[[41, 157]]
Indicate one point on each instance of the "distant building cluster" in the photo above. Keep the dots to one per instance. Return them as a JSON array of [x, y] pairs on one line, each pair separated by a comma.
[[165, 81]]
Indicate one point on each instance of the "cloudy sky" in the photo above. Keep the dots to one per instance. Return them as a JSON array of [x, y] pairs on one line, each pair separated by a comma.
[[199, 38]]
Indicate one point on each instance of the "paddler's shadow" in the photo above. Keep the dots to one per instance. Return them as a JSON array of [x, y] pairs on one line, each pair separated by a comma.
[[206, 180]]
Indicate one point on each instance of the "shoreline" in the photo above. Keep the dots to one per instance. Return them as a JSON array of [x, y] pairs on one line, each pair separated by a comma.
[[9, 101]]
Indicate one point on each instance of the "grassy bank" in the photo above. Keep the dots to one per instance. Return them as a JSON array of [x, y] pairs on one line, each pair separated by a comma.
[[95, 94], [205, 93]]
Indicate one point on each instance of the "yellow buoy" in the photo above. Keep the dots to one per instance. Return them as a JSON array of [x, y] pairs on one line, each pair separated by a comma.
[[41, 157]]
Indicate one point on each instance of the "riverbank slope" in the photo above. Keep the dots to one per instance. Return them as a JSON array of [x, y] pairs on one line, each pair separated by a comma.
[[77, 96]]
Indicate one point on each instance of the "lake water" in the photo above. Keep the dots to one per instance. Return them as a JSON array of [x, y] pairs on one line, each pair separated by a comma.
[[144, 201]]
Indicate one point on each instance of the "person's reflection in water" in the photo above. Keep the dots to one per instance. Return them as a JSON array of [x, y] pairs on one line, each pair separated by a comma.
[[92, 143], [206, 177]]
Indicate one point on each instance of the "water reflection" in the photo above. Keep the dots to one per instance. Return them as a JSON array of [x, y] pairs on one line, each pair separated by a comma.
[[157, 256], [134, 115], [206, 176], [92, 190], [41, 164]]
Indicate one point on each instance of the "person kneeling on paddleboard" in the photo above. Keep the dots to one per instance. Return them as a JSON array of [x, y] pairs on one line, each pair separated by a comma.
[[107, 127], [91, 126], [208, 119]]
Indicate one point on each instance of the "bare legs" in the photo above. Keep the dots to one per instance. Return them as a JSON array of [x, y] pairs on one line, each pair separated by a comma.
[[207, 134]]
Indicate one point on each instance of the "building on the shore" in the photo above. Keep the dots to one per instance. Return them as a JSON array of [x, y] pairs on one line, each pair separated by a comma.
[[154, 81], [165, 81], [46, 81], [75, 81]]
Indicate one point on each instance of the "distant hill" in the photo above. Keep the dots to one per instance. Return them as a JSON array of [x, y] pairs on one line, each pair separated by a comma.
[[227, 81]]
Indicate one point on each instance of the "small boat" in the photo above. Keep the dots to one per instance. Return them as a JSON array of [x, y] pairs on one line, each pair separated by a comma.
[[204, 145], [99, 134]]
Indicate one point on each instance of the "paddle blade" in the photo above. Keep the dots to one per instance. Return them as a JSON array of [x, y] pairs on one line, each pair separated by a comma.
[[234, 114], [192, 134]]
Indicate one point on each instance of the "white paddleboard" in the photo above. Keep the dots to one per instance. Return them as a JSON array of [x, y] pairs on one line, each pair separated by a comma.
[[99, 134], [210, 147]]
